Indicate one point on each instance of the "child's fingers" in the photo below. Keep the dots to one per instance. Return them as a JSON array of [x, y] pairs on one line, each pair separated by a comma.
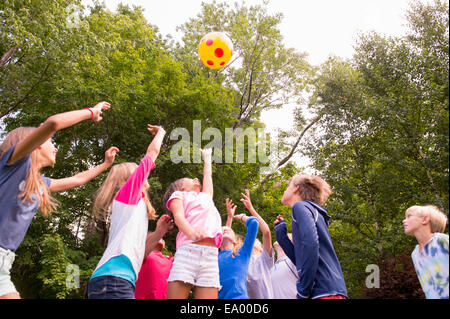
[[114, 150], [154, 129], [103, 105], [206, 151], [199, 234]]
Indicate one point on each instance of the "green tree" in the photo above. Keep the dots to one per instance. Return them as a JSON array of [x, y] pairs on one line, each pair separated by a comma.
[[120, 57], [382, 142]]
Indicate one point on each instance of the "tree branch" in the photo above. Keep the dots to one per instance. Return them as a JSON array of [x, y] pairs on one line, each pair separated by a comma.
[[288, 157], [8, 55], [28, 93]]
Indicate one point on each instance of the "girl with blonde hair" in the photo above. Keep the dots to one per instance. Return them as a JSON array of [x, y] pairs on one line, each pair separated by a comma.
[[23, 190], [122, 201]]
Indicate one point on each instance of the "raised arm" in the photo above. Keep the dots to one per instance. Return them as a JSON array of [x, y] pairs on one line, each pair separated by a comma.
[[231, 209], [252, 230], [265, 230], [155, 145], [207, 172], [62, 184], [53, 124], [164, 224]]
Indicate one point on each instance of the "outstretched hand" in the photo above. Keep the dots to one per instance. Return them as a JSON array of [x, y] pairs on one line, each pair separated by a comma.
[[247, 201], [231, 208], [155, 129], [206, 153], [110, 155], [97, 110]]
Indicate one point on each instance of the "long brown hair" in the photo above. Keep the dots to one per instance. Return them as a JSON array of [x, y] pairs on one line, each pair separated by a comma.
[[105, 195], [34, 182]]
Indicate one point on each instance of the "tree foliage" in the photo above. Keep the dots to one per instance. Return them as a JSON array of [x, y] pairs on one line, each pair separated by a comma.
[[67, 59], [382, 142], [379, 133]]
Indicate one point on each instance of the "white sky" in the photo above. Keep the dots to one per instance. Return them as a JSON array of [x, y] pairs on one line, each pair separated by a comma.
[[318, 27]]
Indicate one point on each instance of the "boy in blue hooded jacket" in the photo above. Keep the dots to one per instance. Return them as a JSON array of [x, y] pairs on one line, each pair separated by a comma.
[[311, 249]]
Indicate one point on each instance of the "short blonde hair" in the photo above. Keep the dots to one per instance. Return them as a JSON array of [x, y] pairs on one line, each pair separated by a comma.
[[312, 188], [438, 220]]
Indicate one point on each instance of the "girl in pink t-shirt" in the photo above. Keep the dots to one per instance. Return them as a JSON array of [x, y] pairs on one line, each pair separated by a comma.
[[199, 237], [152, 279], [122, 201]]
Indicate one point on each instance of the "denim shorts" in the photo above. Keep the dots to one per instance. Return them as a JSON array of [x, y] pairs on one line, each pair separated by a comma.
[[110, 287], [6, 261], [197, 265]]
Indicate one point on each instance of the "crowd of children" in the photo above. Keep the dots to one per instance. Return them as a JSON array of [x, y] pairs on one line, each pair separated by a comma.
[[210, 259]]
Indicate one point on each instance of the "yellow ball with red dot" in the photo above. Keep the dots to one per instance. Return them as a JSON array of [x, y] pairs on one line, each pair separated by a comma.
[[215, 50]]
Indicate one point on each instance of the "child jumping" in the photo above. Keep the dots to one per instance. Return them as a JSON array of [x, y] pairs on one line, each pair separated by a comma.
[[430, 256], [319, 271], [123, 201], [23, 190], [199, 236]]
